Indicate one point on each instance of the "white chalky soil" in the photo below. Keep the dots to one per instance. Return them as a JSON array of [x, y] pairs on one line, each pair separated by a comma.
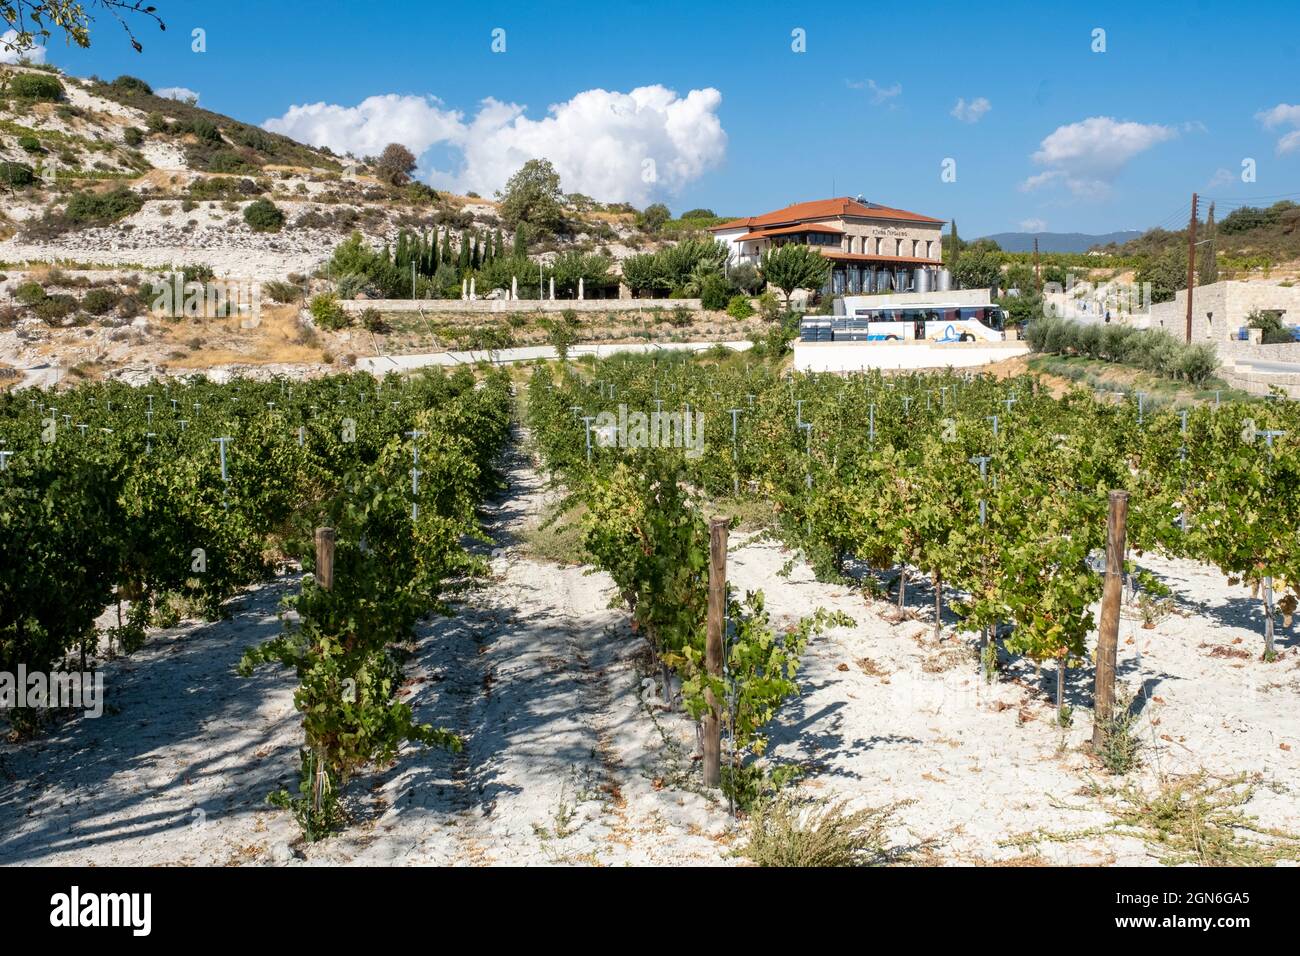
[[565, 763]]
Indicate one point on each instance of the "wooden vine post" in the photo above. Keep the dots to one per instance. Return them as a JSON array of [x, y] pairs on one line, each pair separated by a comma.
[[713, 648], [324, 579], [325, 558], [1108, 628]]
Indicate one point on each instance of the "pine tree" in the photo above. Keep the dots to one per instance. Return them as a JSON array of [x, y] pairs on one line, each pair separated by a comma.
[[1207, 271]]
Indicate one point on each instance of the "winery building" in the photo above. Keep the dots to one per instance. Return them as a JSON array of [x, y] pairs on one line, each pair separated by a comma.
[[872, 248]]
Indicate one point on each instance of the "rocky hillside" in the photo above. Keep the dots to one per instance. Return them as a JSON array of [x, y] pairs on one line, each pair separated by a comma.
[[110, 174], [109, 190]]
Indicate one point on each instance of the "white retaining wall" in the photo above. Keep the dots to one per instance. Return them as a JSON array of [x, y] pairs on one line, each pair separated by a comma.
[[859, 356]]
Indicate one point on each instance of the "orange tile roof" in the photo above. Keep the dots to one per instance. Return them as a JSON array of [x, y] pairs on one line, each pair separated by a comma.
[[824, 209], [791, 230]]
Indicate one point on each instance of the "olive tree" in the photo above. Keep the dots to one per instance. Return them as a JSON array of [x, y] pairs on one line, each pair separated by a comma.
[[791, 267]]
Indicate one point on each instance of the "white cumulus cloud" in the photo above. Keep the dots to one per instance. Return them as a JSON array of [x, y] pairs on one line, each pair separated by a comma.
[[1088, 155], [9, 52], [1283, 115], [1033, 225], [971, 112], [417, 122], [181, 93], [612, 146]]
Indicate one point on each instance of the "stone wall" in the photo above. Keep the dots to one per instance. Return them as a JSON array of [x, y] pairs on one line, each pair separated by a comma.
[[1259, 383], [884, 237], [1221, 309], [507, 306]]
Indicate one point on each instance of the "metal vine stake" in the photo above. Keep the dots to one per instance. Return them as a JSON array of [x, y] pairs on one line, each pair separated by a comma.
[[414, 434]]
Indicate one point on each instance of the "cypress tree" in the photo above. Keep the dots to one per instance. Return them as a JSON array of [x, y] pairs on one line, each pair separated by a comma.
[[463, 262], [520, 250], [446, 247], [499, 247], [1208, 268], [402, 255], [953, 243]]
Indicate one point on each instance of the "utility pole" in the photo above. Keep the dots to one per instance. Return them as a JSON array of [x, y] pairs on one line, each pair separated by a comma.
[[1191, 266]]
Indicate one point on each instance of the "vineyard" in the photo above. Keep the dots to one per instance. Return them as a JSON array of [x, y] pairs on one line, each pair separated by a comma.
[[171, 500], [912, 578], [989, 487], [993, 490]]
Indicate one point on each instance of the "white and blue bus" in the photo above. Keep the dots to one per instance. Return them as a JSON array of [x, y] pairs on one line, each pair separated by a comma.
[[937, 322]]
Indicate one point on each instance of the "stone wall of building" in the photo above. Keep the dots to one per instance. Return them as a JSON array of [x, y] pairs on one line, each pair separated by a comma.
[[890, 237], [1221, 309]]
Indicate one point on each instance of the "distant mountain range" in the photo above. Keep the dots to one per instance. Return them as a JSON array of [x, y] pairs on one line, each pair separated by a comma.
[[1058, 241]]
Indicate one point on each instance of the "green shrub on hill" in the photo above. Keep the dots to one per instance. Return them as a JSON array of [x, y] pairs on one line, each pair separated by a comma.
[[16, 175], [36, 86], [262, 215], [327, 313], [100, 209]]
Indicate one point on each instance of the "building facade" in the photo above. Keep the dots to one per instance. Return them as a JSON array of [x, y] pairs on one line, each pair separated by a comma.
[[872, 248]]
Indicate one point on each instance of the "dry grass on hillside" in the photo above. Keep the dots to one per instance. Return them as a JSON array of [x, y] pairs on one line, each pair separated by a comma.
[[212, 342]]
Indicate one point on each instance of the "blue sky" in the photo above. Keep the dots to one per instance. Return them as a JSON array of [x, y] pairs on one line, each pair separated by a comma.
[[1113, 140]]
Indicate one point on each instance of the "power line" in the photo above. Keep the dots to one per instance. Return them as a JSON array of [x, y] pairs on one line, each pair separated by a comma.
[[1251, 200]]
